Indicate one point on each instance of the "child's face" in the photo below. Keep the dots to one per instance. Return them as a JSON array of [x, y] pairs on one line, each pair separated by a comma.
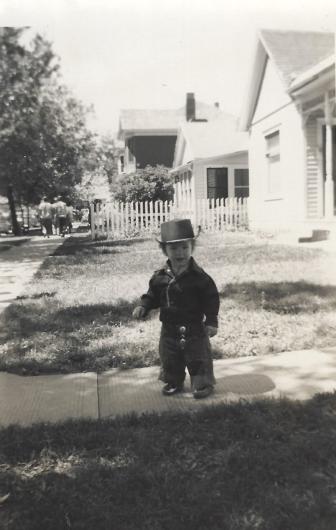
[[179, 253]]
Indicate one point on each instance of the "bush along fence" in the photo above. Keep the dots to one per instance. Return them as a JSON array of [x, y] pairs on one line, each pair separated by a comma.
[[117, 219]]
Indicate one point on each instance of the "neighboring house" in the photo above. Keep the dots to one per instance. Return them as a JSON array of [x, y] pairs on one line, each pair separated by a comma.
[[149, 135], [291, 119], [211, 160]]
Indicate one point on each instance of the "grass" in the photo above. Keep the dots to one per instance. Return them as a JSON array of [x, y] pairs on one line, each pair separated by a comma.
[[267, 465], [76, 313]]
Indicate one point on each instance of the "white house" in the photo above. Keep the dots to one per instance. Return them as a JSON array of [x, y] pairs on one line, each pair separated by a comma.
[[291, 119], [149, 135], [211, 160]]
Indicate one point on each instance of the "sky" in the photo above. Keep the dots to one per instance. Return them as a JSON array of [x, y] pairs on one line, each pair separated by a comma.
[[118, 54]]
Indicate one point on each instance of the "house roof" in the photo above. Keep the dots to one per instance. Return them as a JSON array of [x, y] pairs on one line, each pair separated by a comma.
[[150, 119], [313, 73], [137, 120], [292, 53], [209, 139]]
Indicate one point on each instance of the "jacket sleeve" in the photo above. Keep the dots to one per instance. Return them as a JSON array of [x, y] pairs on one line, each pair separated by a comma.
[[151, 299], [210, 302]]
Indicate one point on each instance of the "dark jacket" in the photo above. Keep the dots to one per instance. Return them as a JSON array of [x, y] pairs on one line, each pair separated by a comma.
[[183, 299]]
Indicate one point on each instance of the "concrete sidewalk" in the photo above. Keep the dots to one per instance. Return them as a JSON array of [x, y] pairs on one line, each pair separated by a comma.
[[20, 262], [53, 398]]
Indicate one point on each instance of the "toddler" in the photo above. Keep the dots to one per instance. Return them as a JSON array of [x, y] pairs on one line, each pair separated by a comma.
[[189, 303]]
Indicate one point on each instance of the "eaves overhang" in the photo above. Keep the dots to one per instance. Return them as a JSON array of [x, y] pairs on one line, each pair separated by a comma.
[[129, 133], [220, 157], [182, 167], [318, 75]]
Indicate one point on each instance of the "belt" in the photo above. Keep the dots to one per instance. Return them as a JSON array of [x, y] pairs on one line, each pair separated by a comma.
[[182, 330]]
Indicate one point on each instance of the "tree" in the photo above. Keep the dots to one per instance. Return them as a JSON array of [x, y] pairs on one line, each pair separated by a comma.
[[97, 182], [149, 184], [45, 146], [108, 157], [93, 186]]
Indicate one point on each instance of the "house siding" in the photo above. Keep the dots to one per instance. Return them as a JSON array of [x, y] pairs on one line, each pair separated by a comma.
[[200, 185], [314, 195], [272, 96], [287, 209]]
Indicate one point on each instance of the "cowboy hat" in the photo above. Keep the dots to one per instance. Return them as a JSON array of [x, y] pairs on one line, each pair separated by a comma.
[[177, 230]]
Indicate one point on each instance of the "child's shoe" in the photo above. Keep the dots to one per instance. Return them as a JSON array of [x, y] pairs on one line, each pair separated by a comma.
[[204, 392], [170, 390]]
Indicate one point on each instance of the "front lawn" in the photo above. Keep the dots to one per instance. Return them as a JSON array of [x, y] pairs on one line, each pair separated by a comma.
[[267, 465], [76, 314]]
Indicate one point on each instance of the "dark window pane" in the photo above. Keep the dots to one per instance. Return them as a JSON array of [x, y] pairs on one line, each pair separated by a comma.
[[217, 182], [241, 177], [211, 181], [212, 193]]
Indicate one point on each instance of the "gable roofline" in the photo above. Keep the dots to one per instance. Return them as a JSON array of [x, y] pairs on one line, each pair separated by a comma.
[[256, 75], [293, 54]]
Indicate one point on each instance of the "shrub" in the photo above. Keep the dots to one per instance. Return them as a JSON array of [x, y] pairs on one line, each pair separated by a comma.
[[149, 184]]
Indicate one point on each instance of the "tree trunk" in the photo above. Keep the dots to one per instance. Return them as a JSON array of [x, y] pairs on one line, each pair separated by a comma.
[[15, 225]]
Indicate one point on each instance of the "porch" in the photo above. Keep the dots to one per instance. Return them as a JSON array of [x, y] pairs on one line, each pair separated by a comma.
[[314, 95]]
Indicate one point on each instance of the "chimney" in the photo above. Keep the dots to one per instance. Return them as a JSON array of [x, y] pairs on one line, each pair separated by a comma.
[[190, 107]]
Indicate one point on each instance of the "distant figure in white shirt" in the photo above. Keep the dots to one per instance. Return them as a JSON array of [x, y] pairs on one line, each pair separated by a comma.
[[45, 213]]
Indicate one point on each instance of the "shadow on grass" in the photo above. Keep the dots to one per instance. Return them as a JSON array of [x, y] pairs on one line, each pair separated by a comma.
[[29, 318], [119, 242], [36, 296], [12, 242], [75, 245], [267, 465], [100, 313], [283, 297]]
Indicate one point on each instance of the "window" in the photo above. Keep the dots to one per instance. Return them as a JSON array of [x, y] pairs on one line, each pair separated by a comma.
[[217, 182], [241, 182], [273, 163]]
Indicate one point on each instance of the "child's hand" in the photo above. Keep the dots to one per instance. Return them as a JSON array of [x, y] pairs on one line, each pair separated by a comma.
[[211, 331], [139, 312]]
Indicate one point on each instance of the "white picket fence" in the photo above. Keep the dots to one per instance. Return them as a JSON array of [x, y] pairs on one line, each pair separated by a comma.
[[117, 219]]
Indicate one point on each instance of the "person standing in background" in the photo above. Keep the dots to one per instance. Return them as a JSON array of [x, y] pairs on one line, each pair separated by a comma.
[[60, 210], [45, 214], [69, 217], [54, 219]]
